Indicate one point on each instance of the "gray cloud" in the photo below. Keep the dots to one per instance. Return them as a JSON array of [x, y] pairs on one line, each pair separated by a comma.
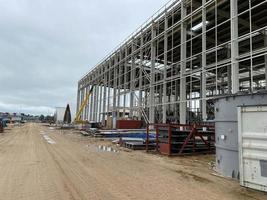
[[46, 46]]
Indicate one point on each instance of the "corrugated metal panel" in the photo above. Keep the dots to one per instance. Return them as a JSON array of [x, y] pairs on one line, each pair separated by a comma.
[[252, 129], [226, 129]]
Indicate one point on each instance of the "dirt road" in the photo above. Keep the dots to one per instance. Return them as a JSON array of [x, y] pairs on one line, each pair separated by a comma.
[[38, 163]]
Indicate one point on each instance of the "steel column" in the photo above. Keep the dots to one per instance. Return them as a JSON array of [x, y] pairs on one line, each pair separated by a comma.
[[229, 73], [114, 109], [104, 111], [164, 118], [152, 77], [91, 114], [100, 103], [132, 81], [125, 84], [234, 46], [87, 104], [119, 86], [183, 65], [109, 87], [141, 77], [97, 103], [203, 80]]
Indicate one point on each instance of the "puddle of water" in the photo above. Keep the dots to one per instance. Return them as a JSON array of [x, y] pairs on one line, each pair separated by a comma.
[[108, 149], [49, 140]]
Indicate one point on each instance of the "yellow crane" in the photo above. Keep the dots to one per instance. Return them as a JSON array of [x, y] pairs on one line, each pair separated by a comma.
[[79, 113]]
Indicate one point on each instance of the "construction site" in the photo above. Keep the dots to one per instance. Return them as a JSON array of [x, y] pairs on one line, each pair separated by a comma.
[[185, 55], [178, 110]]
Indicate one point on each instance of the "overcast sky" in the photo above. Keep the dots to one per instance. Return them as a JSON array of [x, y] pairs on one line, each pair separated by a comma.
[[46, 46]]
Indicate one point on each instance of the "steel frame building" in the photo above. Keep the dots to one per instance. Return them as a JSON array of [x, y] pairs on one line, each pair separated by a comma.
[[189, 52]]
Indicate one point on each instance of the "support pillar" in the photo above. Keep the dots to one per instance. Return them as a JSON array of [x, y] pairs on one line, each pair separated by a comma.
[[203, 80], [96, 103], [100, 103], [132, 81], [234, 46], [114, 110], [152, 78], [87, 103], [91, 114], [164, 118], [119, 84], [141, 78], [183, 65], [229, 73], [176, 109], [109, 88], [125, 85], [104, 111]]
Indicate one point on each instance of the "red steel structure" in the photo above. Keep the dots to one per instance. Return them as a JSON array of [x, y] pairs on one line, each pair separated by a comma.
[[181, 139]]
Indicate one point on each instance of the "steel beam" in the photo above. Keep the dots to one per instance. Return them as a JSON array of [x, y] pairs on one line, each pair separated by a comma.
[[100, 110], [87, 104], [132, 81], [234, 46], [119, 85], [140, 97], [125, 85], [164, 117], [204, 63], [109, 87], [152, 77], [91, 114], [183, 65], [94, 103], [229, 73], [104, 110], [97, 103], [114, 109]]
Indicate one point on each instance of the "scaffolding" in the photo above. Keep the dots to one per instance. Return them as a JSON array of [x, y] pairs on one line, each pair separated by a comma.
[[185, 55]]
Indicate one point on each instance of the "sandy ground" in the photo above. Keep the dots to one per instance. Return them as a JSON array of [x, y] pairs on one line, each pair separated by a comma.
[[39, 163]]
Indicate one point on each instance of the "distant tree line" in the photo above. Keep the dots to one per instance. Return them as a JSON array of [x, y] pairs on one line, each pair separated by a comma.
[[47, 119]]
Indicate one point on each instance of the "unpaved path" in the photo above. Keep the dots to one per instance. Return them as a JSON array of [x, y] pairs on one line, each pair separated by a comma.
[[38, 163]]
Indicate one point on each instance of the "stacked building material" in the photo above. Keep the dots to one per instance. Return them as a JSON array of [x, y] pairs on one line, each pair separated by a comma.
[[133, 133], [137, 143]]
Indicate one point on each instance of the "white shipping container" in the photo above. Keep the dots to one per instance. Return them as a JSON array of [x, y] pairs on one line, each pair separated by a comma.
[[252, 142], [59, 114]]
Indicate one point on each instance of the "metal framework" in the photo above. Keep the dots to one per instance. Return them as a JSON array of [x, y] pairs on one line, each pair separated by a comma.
[[186, 54]]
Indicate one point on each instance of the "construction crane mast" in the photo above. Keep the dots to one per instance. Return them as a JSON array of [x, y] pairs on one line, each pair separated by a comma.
[[79, 112]]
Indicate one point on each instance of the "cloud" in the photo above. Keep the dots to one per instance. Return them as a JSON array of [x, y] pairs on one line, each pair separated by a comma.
[[47, 46], [36, 110]]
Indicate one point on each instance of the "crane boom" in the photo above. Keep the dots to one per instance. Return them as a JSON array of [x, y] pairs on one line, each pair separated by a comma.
[[78, 114]]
